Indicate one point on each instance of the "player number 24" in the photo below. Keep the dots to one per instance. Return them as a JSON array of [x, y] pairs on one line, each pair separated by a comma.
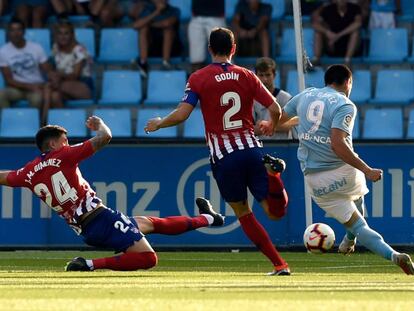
[[62, 190]]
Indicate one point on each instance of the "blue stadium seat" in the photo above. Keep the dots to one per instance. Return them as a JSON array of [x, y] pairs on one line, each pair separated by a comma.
[[410, 126], [361, 89], [19, 122], [407, 11], [194, 125], [148, 113], [118, 120], [410, 59], [287, 49], [387, 46], [384, 123], [121, 87], [229, 8], [73, 120], [40, 36], [118, 45], [312, 79], [356, 132], [2, 37], [185, 9], [86, 37], [165, 87], [394, 87]]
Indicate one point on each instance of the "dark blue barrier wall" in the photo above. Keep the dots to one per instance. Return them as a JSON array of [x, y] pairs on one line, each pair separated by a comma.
[[164, 180]]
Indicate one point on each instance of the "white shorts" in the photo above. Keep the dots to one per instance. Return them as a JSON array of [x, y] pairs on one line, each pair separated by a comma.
[[199, 30], [336, 190], [382, 20]]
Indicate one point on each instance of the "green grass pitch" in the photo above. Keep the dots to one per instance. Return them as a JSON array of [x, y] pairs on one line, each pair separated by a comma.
[[35, 280]]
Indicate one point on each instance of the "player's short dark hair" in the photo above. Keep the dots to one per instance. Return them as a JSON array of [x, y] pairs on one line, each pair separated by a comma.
[[46, 133], [15, 20], [221, 41], [337, 74], [264, 64]]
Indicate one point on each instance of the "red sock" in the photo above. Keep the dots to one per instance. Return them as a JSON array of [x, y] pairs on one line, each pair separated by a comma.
[[127, 261], [277, 197], [258, 235], [177, 224]]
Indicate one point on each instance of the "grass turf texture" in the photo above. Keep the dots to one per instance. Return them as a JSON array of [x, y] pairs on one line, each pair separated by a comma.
[[35, 280]]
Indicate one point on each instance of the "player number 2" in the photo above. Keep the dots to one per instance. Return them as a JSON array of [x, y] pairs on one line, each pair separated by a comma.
[[226, 99], [314, 114]]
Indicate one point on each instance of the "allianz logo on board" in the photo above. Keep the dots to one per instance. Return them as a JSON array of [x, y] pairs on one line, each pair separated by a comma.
[[197, 180]]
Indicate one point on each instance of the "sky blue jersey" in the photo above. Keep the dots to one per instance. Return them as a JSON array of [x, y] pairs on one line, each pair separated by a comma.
[[319, 110]]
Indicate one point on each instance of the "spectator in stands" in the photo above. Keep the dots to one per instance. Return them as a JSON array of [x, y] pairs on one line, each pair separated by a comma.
[[207, 14], [308, 7], [22, 64], [383, 13], [73, 75], [251, 27], [266, 71], [33, 13], [337, 27], [3, 6], [62, 8], [102, 12], [157, 21]]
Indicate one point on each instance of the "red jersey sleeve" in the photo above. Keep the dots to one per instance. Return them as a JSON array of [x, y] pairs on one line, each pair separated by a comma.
[[79, 152], [16, 178], [261, 93]]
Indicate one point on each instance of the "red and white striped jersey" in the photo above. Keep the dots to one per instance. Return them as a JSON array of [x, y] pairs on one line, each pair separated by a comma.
[[56, 179], [226, 93]]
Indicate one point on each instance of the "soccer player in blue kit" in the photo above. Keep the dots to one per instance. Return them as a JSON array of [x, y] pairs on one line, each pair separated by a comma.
[[326, 155]]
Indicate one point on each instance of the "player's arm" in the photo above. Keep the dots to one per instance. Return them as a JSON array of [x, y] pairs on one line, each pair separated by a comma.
[[287, 125], [3, 178], [103, 134], [344, 151], [178, 115]]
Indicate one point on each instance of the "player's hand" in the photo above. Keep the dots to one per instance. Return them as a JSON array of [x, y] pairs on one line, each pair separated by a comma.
[[153, 125], [94, 123], [374, 174], [266, 127]]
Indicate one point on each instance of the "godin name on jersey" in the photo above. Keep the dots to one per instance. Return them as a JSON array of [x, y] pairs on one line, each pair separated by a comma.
[[227, 76]]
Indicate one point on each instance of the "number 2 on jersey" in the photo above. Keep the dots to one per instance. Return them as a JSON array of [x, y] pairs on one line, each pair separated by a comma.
[[314, 114], [225, 100], [61, 189]]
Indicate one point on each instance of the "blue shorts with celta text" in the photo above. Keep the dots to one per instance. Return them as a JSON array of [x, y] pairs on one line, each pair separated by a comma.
[[112, 229], [241, 170]]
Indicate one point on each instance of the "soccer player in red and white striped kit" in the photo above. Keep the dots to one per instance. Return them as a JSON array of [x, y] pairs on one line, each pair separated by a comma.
[[54, 176], [226, 93]]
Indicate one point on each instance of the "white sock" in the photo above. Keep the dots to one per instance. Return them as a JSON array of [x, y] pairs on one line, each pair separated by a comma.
[[89, 263], [209, 218]]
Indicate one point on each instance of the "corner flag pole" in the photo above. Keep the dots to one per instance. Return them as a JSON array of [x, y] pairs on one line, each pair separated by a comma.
[[301, 58]]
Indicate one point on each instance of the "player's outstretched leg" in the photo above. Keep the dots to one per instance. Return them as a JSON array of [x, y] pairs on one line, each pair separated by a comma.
[[77, 264], [205, 208], [277, 197], [404, 262], [179, 224]]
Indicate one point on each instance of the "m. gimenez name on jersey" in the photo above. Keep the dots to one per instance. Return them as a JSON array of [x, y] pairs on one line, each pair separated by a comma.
[[56, 179], [226, 93]]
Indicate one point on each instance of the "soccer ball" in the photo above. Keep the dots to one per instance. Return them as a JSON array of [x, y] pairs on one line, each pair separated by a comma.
[[318, 238]]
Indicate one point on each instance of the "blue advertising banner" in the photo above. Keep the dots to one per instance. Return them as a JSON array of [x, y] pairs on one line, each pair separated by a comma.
[[164, 180]]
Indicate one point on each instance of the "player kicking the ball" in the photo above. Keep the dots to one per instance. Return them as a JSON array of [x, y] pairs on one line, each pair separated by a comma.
[[55, 178]]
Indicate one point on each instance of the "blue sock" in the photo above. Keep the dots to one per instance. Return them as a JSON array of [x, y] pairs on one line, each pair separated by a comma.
[[361, 208], [371, 239]]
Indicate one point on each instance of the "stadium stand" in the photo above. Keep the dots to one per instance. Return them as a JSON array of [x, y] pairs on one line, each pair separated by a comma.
[[118, 120], [287, 48], [384, 123], [41, 36], [121, 87], [86, 37], [394, 87], [387, 46], [410, 125], [312, 79], [194, 125], [361, 88], [19, 122], [165, 87], [148, 113], [356, 132], [118, 46], [73, 120]]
